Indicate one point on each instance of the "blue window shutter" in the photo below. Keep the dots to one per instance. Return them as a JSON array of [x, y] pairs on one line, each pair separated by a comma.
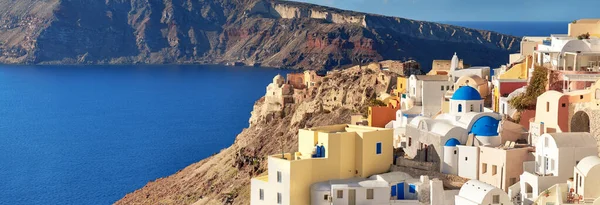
[[412, 188], [379, 148], [394, 190]]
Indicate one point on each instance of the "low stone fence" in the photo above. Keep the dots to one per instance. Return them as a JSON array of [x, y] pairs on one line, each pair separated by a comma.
[[427, 166]]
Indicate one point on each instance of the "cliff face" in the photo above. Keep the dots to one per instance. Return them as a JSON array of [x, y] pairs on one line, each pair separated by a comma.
[[270, 32], [225, 177]]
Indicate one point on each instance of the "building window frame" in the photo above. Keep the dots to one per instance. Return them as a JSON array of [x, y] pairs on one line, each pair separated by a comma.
[[279, 177], [370, 194], [483, 168], [261, 194], [340, 194], [496, 199], [378, 148], [279, 198]]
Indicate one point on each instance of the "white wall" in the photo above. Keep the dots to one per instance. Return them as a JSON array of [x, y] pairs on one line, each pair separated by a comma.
[[468, 162], [432, 96], [450, 162]]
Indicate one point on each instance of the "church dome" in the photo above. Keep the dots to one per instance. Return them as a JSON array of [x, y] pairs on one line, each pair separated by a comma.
[[466, 93], [485, 126], [452, 142]]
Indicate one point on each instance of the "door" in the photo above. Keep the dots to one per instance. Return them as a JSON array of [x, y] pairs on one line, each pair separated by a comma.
[[400, 189], [352, 197]]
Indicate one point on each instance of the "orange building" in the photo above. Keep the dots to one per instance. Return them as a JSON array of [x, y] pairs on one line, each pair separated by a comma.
[[379, 116]]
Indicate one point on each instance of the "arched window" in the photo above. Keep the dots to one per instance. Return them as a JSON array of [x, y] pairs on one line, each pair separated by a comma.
[[459, 107]]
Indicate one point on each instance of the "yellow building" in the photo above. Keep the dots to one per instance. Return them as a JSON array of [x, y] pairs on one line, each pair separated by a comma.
[[342, 152], [401, 85], [583, 26]]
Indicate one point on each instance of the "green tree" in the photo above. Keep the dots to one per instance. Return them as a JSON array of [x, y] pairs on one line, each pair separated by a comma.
[[536, 87]]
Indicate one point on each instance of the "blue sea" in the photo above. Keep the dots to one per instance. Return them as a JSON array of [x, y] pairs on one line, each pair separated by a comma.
[[91, 134]]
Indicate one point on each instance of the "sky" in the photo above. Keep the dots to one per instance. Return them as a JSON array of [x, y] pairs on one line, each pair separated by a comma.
[[473, 10]]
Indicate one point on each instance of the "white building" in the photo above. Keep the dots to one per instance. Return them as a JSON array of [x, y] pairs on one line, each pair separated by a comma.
[[475, 192], [436, 140], [505, 107], [350, 191], [425, 93], [555, 156], [399, 126], [382, 189], [587, 178]]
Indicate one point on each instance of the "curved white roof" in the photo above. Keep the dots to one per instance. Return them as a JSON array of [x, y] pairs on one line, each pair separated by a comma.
[[475, 190], [417, 120], [588, 163], [441, 128], [516, 92], [571, 139], [576, 45]]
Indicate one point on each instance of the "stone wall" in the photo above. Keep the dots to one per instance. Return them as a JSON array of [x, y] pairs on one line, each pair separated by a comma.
[[403, 162]]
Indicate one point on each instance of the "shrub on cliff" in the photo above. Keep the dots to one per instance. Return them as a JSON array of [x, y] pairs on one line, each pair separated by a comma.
[[364, 110], [536, 87]]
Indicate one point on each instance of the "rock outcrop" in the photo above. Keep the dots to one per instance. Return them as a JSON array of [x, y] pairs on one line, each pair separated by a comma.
[[225, 177], [254, 32]]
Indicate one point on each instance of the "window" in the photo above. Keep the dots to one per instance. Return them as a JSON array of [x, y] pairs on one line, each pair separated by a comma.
[[340, 194], [442, 88], [279, 176], [484, 168], [279, 198], [580, 180], [581, 97], [326, 197], [466, 159], [494, 169], [412, 188], [410, 141], [547, 106], [447, 87], [496, 199], [564, 105], [378, 148], [459, 108], [370, 193], [471, 108], [401, 85], [455, 152], [513, 181], [480, 107], [261, 194]]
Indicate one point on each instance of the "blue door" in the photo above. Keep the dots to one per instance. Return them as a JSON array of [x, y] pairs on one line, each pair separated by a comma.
[[400, 189]]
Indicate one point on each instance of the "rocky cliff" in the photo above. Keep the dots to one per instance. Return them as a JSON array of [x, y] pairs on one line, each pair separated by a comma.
[[268, 32], [225, 177]]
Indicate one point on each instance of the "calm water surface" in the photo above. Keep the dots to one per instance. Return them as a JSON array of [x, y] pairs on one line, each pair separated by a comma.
[[89, 135]]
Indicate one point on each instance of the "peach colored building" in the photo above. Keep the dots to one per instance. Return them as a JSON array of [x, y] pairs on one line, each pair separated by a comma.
[[583, 26], [552, 110], [501, 167]]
